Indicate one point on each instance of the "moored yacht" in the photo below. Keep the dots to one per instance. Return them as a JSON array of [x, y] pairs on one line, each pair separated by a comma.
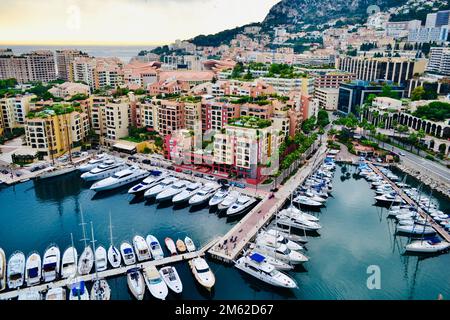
[[171, 246], [120, 178], [278, 264], [128, 254], [282, 253], [141, 248], [202, 272], [154, 178], [428, 245], [33, 269], [101, 260], [307, 201], [86, 261], [155, 247], [268, 239], [218, 197], [155, 283], [172, 191], [104, 170], [187, 193], [298, 222], [159, 187], [171, 278], [100, 290], [93, 163], [389, 198], [416, 229], [229, 200], [69, 263], [2, 270], [136, 283], [16, 270], [190, 246], [204, 194], [78, 291], [242, 204], [293, 212], [51, 263]]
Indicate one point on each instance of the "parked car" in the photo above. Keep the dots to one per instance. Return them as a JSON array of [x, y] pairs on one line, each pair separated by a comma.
[[179, 170], [210, 177], [170, 168], [76, 154], [402, 153], [146, 161], [198, 174], [187, 171], [132, 158], [238, 184]]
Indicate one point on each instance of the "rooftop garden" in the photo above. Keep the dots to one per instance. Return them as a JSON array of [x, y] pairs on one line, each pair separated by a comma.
[[57, 109], [250, 122], [139, 135], [193, 99]]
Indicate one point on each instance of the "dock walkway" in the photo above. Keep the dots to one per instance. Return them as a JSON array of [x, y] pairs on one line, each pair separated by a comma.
[[441, 231], [111, 272]]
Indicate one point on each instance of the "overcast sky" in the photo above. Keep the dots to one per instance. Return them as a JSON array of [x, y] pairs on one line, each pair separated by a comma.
[[122, 21]]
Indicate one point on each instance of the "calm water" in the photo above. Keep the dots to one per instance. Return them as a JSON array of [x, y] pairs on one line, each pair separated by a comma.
[[355, 235]]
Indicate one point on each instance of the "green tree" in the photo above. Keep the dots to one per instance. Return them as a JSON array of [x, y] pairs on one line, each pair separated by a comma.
[[418, 93]]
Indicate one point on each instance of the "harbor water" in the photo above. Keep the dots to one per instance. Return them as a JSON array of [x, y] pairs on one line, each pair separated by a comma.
[[355, 235]]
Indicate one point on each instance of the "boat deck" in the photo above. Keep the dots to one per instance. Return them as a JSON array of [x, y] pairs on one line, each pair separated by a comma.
[[112, 272], [441, 231]]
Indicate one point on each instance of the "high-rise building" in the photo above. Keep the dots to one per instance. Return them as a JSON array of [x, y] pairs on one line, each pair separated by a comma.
[[98, 73], [117, 121], [425, 35], [64, 60], [14, 110], [439, 61], [438, 19]]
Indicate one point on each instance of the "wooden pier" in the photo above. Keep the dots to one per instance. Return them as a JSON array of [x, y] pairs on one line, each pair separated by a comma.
[[110, 272], [261, 215], [441, 231]]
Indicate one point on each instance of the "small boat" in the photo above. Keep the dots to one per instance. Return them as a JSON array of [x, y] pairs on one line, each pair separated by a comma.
[[256, 266], [190, 246], [154, 178], [293, 212], [268, 239], [2, 270], [100, 290], [204, 194], [416, 229], [128, 254], [174, 189], [155, 283], [428, 245], [78, 291], [56, 294], [187, 193], [159, 187], [33, 269], [278, 264], [101, 260], [171, 278], [103, 171], [307, 202], [136, 283], [218, 197], [69, 263], [389, 198], [181, 247], [273, 230], [51, 263], [29, 295], [202, 272], [155, 247], [297, 223], [93, 163], [241, 205], [229, 200], [86, 261], [120, 178], [282, 253], [170, 246], [141, 248]]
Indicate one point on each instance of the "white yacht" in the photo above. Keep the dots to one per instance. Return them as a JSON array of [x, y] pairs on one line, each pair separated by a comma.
[[292, 211], [120, 178], [155, 283], [275, 231], [430, 245], [190, 246], [170, 244], [51, 263], [128, 255], [229, 200], [155, 247], [171, 278], [154, 178], [242, 204], [69, 263], [266, 238], [282, 253], [172, 191], [141, 248], [218, 197], [29, 295], [16, 270], [389, 198], [278, 264], [2, 270], [256, 266], [100, 290], [204, 194], [93, 163], [56, 294], [311, 195], [298, 223], [307, 201], [164, 184], [52, 172], [136, 283], [33, 269], [103, 171], [78, 291], [86, 261], [202, 272], [101, 260], [187, 193], [416, 229]]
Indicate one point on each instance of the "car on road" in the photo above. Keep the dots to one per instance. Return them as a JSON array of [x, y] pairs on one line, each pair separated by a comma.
[[402, 154], [187, 171], [198, 175], [237, 184], [132, 158], [170, 168], [179, 170]]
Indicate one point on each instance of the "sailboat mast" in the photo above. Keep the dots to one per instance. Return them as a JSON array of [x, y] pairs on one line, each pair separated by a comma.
[[110, 230], [73, 247], [83, 227], [93, 247]]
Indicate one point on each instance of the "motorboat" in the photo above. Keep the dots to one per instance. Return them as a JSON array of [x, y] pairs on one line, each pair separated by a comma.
[[389, 198], [159, 187], [69, 263], [269, 239], [428, 245], [170, 246], [51, 263], [86, 261], [103, 171], [78, 291], [101, 259], [100, 290], [229, 200], [171, 278], [282, 253], [204, 194], [172, 191], [256, 266], [120, 178], [202, 272], [242, 204], [155, 247], [2, 270], [128, 254], [181, 247], [141, 248], [190, 246], [154, 178], [275, 231], [307, 201], [29, 295], [16, 270], [58, 293], [294, 212], [136, 283], [297, 222], [33, 269], [187, 193], [218, 197], [93, 163], [155, 283], [311, 195], [416, 229], [278, 264]]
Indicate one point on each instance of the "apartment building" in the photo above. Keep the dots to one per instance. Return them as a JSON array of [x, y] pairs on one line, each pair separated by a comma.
[[170, 116], [327, 98], [439, 61], [216, 113], [67, 90], [426, 35], [14, 110], [138, 74], [97, 115], [284, 86], [117, 121], [193, 116], [64, 60], [98, 73], [332, 79]]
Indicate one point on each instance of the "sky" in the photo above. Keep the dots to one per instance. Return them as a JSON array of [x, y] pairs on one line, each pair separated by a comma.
[[115, 22]]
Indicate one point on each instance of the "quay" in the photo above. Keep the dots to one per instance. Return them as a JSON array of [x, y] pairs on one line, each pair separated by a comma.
[[245, 230], [110, 272], [441, 231]]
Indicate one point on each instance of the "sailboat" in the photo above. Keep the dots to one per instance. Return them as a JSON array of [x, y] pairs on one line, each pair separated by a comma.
[[114, 256], [69, 261], [100, 289], [87, 256]]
